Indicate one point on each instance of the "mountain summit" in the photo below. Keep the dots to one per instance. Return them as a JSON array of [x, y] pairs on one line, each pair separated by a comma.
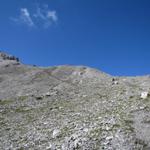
[[71, 108], [5, 56]]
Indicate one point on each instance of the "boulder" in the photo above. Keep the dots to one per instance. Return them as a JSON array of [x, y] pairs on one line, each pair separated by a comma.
[[144, 95]]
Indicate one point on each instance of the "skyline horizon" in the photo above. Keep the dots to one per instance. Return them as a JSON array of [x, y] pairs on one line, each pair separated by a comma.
[[74, 65], [113, 36]]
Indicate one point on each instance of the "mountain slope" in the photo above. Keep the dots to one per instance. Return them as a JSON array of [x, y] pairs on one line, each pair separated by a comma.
[[71, 107]]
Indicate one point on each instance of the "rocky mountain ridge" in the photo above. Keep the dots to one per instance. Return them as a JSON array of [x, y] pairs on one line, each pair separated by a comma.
[[71, 107]]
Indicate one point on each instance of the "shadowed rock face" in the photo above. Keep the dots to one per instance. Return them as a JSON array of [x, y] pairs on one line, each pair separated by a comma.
[[71, 107]]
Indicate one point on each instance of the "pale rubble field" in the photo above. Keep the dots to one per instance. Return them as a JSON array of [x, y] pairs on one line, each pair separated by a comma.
[[71, 108]]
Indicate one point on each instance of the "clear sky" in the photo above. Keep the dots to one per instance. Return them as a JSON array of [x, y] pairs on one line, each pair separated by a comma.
[[111, 35]]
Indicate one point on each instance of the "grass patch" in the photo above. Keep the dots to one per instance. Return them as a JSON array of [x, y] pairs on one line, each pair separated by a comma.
[[22, 98], [5, 102], [129, 121], [22, 110], [95, 133]]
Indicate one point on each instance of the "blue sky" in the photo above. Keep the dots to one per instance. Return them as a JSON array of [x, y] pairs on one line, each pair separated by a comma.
[[111, 35]]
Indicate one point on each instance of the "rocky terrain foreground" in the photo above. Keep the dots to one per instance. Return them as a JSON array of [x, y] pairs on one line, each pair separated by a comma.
[[71, 108]]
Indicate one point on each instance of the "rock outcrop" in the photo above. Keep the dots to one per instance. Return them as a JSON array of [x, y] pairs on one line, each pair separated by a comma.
[[71, 107]]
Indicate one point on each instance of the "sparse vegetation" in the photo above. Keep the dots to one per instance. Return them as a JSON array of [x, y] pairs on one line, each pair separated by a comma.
[[89, 115]]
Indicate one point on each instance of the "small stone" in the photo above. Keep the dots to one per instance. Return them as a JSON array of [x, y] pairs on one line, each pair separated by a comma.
[[84, 96], [107, 128], [51, 147], [109, 138], [64, 146], [85, 129], [144, 95], [48, 94], [114, 81], [56, 133], [76, 143], [141, 107]]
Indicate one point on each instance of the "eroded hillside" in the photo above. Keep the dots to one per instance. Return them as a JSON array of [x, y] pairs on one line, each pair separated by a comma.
[[71, 107]]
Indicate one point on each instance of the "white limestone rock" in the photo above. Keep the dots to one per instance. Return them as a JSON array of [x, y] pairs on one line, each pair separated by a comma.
[[56, 133], [144, 95]]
